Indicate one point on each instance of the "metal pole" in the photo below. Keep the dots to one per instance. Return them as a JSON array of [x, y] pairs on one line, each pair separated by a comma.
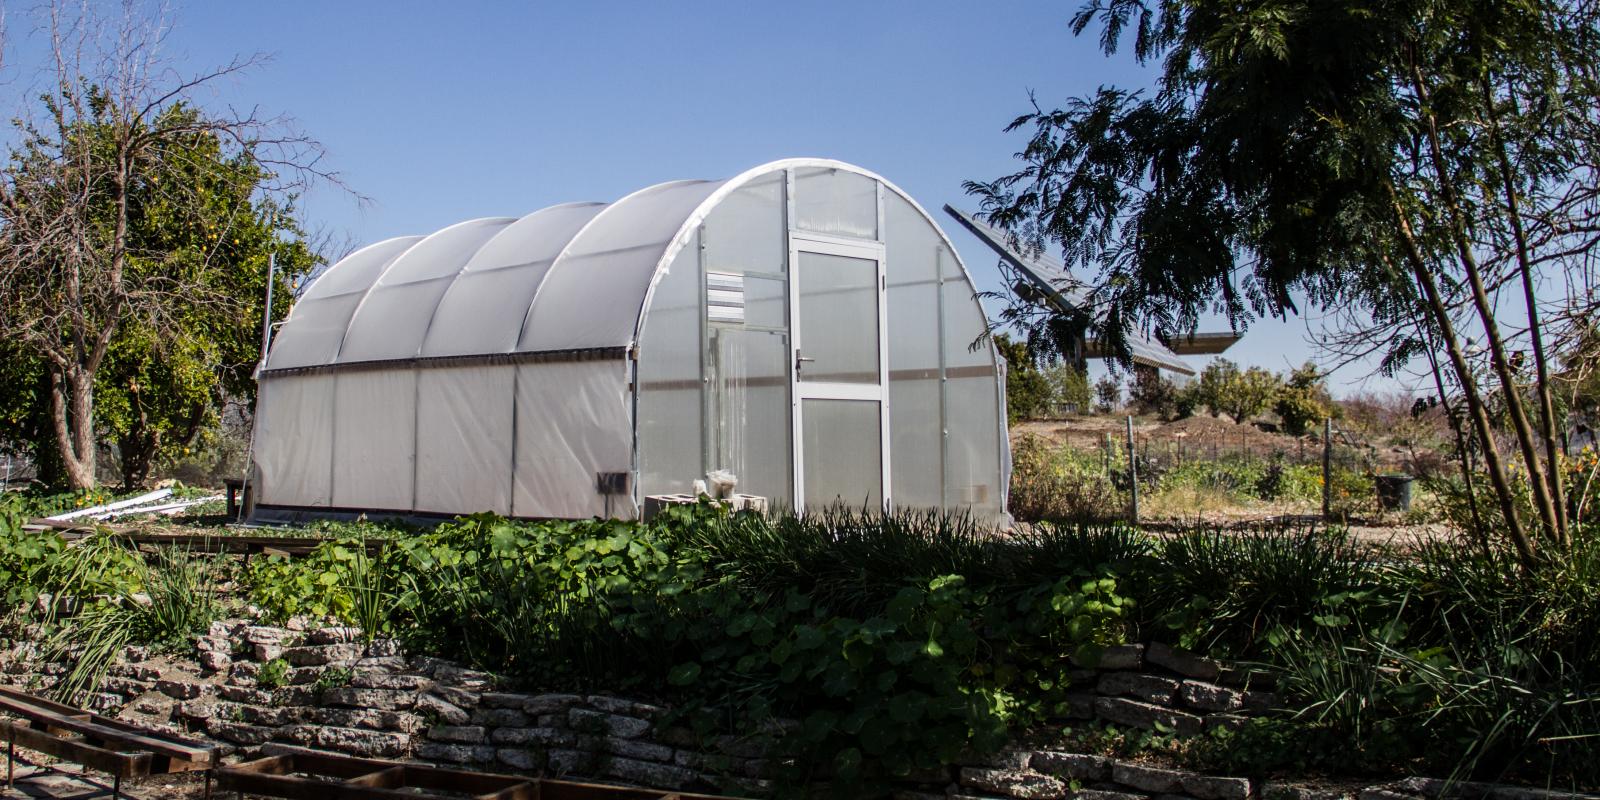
[[1327, 467], [1133, 479], [1107, 454]]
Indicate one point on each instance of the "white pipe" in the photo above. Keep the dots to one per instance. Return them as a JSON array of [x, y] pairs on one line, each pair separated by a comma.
[[132, 501]]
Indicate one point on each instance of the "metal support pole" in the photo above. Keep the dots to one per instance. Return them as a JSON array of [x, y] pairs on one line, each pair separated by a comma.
[[1327, 468], [1107, 455], [11, 757], [1133, 479], [116, 787]]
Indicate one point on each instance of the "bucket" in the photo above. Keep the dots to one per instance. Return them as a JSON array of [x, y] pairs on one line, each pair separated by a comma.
[[1394, 491]]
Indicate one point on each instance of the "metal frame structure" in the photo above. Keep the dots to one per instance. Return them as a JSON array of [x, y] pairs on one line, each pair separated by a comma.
[[298, 774], [582, 278], [96, 742]]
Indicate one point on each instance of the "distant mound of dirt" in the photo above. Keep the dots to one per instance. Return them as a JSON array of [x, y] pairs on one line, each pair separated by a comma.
[[1209, 430]]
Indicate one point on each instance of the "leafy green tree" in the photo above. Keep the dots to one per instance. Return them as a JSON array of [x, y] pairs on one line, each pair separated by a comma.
[[1108, 391], [105, 257], [1303, 400], [1401, 158], [1027, 391]]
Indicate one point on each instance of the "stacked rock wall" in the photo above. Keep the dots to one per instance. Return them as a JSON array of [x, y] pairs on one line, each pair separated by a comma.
[[248, 685]]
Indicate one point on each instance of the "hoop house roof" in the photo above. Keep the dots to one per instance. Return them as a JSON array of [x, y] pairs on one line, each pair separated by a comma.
[[568, 277]]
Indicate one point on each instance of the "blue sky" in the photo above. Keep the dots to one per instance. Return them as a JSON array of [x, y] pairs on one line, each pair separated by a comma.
[[440, 113]]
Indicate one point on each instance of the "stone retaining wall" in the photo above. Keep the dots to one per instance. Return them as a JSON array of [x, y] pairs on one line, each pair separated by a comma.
[[249, 684]]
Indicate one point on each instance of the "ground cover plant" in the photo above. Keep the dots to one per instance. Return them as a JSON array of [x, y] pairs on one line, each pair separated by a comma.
[[905, 641]]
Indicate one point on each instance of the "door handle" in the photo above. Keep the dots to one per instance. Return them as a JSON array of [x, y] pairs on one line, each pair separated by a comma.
[[800, 359]]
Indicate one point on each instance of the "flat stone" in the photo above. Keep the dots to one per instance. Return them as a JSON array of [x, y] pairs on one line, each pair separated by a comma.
[[503, 700], [520, 758], [182, 690], [354, 741], [570, 762], [340, 635], [455, 753], [647, 773], [1104, 794], [1230, 722], [324, 654], [367, 678], [463, 678], [138, 672], [545, 737], [1077, 706], [215, 661], [1208, 787], [127, 686], [550, 703], [1278, 790], [1014, 783], [266, 634], [461, 698], [400, 721], [1183, 662], [245, 694], [263, 715], [238, 732], [596, 722], [1210, 697], [381, 699], [1077, 766], [636, 749], [625, 707], [429, 705], [1148, 779], [468, 734], [1380, 793], [266, 652], [1149, 688], [1147, 716], [498, 717]]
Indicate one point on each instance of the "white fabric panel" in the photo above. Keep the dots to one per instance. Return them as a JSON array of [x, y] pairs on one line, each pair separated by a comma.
[[594, 293], [294, 440], [464, 439], [374, 439], [483, 310], [317, 324], [572, 424], [394, 317]]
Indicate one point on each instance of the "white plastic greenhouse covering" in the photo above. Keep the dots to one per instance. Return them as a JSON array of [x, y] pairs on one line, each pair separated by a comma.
[[805, 327]]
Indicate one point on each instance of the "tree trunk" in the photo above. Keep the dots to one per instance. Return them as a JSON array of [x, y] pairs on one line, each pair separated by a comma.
[[72, 416], [1469, 388]]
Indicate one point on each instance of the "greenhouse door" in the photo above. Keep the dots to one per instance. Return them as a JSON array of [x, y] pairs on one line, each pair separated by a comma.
[[836, 309]]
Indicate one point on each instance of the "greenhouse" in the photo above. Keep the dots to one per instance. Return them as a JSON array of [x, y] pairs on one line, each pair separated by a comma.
[[803, 332]]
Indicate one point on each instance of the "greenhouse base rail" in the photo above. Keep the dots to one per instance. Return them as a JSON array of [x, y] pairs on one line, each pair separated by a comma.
[[295, 773], [98, 743]]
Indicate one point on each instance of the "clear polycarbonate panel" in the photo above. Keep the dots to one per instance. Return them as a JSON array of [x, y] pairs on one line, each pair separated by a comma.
[[915, 427], [838, 324], [316, 326], [965, 343], [294, 440], [464, 439], [374, 439], [594, 293], [748, 229], [572, 424], [842, 458], [483, 311], [671, 434], [766, 302], [972, 473], [828, 200], [973, 476], [394, 317], [750, 408], [916, 472], [912, 248]]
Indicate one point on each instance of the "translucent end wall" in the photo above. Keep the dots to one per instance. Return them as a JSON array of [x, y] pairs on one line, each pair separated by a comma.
[[716, 353]]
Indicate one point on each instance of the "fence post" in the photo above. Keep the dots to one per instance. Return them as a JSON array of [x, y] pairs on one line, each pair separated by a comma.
[[1327, 468], [1107, 454], [1133, 479]]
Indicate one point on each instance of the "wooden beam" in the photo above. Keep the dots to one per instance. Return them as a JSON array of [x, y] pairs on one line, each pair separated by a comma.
[[121, 765]]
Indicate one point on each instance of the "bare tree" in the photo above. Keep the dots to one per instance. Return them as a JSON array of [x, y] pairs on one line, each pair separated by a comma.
[[115, 119]]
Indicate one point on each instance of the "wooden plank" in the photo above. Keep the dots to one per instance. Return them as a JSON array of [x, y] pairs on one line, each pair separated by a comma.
[[122, 765], [106, 730]]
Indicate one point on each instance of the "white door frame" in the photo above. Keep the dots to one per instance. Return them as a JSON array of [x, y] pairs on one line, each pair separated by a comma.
[[799, 390]]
